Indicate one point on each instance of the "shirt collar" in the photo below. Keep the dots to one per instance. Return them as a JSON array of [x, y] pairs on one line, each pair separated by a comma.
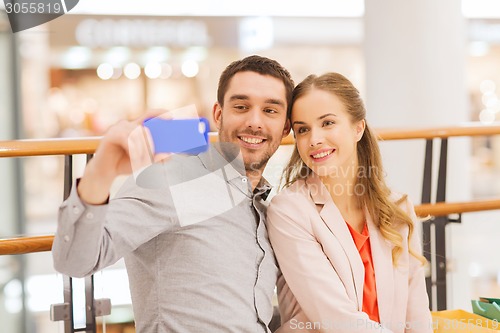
[[228, 156], [263, 189], [223, 155]]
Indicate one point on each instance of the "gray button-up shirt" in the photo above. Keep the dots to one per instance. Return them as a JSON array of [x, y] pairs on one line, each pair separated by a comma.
[[194, 242]]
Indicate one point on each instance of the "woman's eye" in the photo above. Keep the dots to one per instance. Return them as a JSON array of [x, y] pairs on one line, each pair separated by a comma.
[[301, 130], [328, 123]]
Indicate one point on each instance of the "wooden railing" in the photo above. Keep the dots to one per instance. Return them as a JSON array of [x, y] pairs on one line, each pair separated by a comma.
[[448, 208], [24, 245], [74, 146]]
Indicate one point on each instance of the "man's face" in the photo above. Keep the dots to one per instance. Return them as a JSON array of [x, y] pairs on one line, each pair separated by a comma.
[[253, 117]]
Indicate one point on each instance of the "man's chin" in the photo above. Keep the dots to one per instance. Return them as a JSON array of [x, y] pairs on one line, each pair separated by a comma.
[[255, 165]]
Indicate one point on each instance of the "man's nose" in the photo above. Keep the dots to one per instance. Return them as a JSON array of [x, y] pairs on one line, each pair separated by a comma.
[[255, 119]]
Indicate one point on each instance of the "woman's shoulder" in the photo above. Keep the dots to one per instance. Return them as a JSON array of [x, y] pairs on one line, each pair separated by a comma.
[[292, 200], [291, 206], [297, 191]]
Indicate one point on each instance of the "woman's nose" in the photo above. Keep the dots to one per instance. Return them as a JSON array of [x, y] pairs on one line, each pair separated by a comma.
[[316, 138]]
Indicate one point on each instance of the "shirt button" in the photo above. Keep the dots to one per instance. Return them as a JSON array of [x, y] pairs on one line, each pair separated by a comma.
[[66, 238], [244, 180], [76, 210], [90, 216]]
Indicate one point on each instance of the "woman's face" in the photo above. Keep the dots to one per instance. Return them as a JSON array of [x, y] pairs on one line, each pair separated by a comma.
[[325, 135]]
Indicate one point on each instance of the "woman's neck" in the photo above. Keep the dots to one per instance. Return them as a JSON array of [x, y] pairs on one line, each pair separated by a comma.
[[343, 191]]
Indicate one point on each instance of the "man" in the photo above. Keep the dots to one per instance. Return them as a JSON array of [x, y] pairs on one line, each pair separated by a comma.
[[202, 265]]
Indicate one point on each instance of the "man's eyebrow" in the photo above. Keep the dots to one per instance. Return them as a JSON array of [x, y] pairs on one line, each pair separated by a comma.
[[238, 97], [246, 97], [276, 101]]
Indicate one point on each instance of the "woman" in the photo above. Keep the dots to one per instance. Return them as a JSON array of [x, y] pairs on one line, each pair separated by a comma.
[[347, 246]]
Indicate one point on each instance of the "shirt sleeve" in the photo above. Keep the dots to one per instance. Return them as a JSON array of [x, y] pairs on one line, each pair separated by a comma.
[[92, 237], [309, 274]]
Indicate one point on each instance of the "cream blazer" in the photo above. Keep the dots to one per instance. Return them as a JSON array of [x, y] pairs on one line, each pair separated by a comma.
[[321, 286]]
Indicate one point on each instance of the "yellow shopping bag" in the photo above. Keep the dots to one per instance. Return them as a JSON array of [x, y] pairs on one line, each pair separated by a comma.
[[462, 322]]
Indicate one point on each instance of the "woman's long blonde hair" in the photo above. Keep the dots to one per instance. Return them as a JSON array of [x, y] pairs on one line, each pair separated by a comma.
[[376, 197]]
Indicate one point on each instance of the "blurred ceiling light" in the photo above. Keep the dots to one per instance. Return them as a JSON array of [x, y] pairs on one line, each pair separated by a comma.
[[479, 49], [190, 68], [196, 53], [117, 73], [475, 269], [105, 71], [489, 99], [486, 116], [293, 8], [132, 71], [256, 33], [481, 8], [117, 56], [13, 292], [166, 71], [487, 86], [156, 54], [153, 70], [76, 57]]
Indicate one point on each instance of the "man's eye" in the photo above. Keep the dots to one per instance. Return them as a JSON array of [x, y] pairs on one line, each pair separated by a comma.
[[240, 107], [272, 111]]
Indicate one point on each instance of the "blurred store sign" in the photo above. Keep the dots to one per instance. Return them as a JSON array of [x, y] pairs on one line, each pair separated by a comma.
[[246, 33], [141, 32]]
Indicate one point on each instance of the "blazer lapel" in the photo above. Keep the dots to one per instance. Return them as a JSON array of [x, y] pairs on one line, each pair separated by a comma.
[[333, 219], [384, 270]]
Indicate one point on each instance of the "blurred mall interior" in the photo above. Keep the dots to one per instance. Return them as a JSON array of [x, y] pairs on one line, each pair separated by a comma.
[[417, 63]]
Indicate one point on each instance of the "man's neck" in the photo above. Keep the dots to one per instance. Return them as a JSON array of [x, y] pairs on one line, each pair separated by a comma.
[[254, 177]]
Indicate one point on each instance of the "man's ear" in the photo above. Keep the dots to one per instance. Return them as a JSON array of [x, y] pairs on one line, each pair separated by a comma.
[[360, 129], [287, 128], [217, 115]]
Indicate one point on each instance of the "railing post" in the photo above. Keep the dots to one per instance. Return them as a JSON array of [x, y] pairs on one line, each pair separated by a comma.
[[436, 278], [426, 228], [440, 229]]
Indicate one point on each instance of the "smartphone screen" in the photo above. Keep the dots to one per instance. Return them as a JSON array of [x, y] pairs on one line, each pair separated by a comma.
[[187, 136]]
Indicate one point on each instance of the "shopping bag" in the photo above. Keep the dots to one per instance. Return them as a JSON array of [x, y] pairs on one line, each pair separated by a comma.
[[463, 322], [487, 307]]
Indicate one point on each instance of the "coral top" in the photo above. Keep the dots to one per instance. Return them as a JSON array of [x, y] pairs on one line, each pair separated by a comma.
[[362, 242]]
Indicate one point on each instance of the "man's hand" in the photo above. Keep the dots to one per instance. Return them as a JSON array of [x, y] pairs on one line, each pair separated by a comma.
[[125, 148]]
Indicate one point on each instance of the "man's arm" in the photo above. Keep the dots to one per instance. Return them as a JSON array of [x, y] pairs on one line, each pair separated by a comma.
[[83, 243]]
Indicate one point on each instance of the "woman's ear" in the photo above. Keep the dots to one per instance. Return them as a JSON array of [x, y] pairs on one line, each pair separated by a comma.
[[360, 129]]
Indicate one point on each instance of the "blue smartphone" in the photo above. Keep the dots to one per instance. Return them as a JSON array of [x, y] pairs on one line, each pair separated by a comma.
[[186, 136]]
